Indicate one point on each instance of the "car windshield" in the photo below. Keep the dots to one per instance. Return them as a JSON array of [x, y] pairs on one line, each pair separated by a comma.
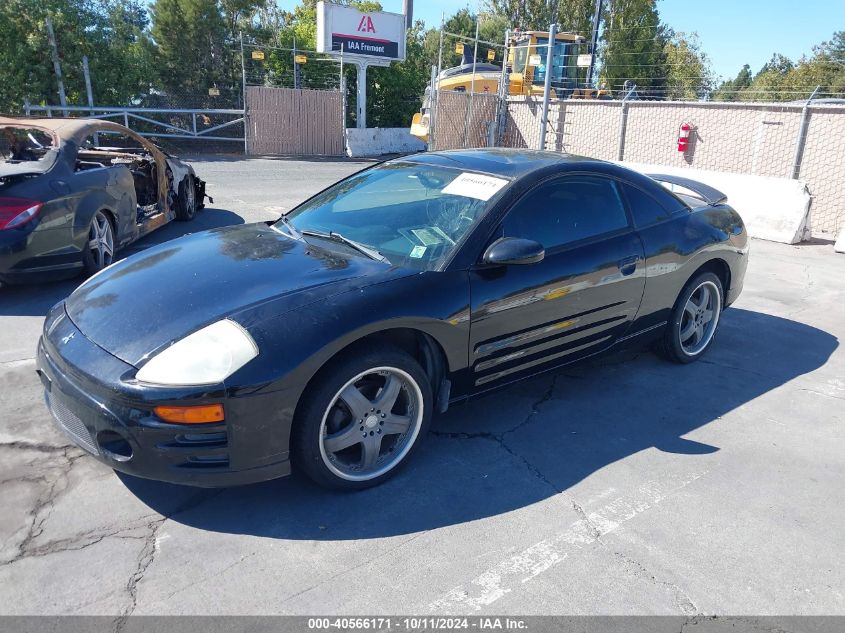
[[414, 215]]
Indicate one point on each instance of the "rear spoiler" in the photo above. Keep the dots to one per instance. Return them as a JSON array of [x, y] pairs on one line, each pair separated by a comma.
[[710, 195]]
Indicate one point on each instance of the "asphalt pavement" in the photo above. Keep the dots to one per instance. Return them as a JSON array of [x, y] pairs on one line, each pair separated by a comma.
[[625, 486]]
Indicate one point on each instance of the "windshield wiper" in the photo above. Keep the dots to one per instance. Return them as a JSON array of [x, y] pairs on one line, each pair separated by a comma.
[[290, 227], [361, 248]]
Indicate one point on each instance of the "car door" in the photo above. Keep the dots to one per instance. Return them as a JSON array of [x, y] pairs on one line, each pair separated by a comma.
[[577, 301], [108, 184]]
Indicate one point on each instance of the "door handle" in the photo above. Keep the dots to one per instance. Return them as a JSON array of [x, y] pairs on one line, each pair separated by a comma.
[[628, 265]]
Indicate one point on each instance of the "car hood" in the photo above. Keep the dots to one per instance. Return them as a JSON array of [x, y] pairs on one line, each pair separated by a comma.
[[248, 272]]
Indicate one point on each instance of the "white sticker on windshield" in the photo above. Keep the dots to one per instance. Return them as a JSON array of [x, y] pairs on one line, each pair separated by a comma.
[[476, 186], [417, 252]]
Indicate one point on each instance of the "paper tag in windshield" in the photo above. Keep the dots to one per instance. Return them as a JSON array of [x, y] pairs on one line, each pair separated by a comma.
[[476, 186]]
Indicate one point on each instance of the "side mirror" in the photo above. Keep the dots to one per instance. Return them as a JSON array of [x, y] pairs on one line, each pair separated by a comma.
[[514, 250]]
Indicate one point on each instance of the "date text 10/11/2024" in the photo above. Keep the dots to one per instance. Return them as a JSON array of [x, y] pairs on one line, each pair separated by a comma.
[[410, 623]]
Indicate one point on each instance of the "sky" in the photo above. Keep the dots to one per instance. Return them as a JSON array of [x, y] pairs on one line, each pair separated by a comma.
[[732, 32]]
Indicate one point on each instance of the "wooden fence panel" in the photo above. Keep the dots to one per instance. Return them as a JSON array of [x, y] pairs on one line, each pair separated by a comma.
[[295, 122]]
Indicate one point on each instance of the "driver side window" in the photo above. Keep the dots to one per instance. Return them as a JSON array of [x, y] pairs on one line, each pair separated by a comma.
[[567, 210]]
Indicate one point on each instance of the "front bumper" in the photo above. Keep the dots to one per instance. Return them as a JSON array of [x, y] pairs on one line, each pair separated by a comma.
[[112, 419]]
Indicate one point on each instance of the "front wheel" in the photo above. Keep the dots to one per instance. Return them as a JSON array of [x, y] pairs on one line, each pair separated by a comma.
[[186, 201], [363, 420], [694, 320]]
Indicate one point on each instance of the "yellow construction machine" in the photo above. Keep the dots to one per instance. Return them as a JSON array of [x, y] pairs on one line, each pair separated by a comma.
[[525, 73]]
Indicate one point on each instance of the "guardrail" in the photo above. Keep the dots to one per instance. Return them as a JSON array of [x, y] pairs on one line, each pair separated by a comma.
[[187, 127]]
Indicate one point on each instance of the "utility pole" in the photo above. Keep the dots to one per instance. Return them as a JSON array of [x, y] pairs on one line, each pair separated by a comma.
[[547, 87], [472, 82], [243, 94], [594, 42], [296, 75], [87, 75], [57, 66], [408, 10]]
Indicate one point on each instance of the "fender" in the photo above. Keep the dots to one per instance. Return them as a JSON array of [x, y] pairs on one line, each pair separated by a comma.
[[306, 338]]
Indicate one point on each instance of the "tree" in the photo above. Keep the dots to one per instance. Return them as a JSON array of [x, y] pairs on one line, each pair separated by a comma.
[[574, 16], [771, 82], [731, 89], [633, 47], [119, 65], [109, 32], [187, 71], [688, 72]]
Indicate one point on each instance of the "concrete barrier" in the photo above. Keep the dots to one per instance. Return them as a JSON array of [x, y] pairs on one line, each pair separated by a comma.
[[376, 141], [774, 209]]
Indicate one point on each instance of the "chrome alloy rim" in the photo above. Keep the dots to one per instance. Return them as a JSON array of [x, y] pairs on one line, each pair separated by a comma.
[[101, 240], [700, 318], [371, 423]]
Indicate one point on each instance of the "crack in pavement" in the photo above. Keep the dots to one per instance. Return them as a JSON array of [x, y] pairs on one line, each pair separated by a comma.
[[39, 447], [682, 600], [592, 528], [145, 559], [82, 540], [820, 393], [366, 561], [499, 438], [147, 554], [57, 483], [209, 576]]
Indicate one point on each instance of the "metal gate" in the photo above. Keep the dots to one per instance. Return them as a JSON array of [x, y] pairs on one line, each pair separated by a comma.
[[290, 121]]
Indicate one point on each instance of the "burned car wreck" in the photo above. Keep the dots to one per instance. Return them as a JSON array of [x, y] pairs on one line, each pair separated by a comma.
[[75, 191]]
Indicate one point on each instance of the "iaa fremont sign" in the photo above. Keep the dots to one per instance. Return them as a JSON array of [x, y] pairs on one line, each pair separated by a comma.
[[375, 35]]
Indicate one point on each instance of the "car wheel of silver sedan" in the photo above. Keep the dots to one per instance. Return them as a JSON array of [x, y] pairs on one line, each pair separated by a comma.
[[99, 250], [364, 419], [186, 200]]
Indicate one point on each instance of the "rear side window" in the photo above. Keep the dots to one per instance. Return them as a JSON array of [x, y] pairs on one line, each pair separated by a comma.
[[19, 143], [567, 210], [645, 209]]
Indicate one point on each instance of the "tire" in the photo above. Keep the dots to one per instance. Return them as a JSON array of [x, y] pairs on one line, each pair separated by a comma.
[[186, 201], [692, 326], [99, 249], [346, 442]]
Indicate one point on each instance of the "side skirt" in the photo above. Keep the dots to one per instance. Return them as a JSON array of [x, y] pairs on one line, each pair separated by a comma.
[[615, 347]]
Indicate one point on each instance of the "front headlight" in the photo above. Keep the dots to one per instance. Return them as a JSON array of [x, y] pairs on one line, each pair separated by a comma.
[[206, 357]]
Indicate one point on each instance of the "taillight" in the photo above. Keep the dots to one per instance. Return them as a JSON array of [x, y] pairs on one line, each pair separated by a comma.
[[15, 212]]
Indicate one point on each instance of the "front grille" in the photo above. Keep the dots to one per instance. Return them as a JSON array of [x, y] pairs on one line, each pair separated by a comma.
[[71, 424]]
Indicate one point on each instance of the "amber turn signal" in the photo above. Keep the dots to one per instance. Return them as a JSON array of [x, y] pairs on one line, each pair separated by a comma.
[[197, 414]]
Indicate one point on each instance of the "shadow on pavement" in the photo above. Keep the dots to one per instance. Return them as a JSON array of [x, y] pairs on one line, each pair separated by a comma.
[[37, 299], [524, 443]]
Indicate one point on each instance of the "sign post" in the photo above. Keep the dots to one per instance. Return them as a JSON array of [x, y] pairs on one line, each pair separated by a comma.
[[365, 39]]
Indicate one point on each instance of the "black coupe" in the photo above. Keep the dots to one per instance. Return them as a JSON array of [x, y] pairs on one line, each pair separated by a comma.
[[74, 191], [329, 338]]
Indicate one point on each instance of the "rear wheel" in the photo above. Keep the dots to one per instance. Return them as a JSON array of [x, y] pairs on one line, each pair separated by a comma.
[[186, 201], [694, 321], [360, 423], [99, 250]]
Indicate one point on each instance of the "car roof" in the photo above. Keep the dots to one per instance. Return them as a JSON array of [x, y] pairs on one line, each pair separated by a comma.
[[501, 161], [64, 128]]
